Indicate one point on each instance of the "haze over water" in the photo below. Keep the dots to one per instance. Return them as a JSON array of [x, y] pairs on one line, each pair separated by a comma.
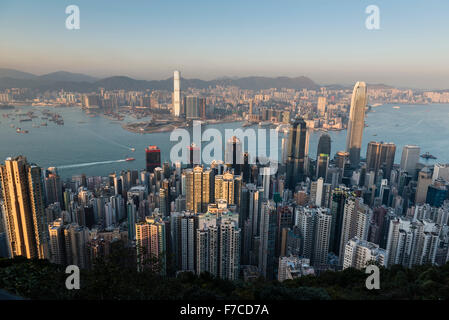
[[99, 146]]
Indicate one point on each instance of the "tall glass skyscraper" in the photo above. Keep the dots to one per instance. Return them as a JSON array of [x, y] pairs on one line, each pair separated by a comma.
[[356, 123], [296, 152]]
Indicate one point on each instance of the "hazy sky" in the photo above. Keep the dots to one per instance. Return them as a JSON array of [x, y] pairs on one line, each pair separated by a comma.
[[325, 40]]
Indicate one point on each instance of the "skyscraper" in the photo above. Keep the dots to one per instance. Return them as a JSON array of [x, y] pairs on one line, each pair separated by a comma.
[[234, 154], [410, 158], [356, 218], [24, 207], [424, 181], [324, 144], [356, 123], [380, 155], [199, 190], [177, 93], [153, 158], [296, 152]]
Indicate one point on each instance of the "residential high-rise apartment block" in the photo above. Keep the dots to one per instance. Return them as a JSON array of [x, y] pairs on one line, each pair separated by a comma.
[[199, 189], [359, 253], [356, 218], [24, 207]]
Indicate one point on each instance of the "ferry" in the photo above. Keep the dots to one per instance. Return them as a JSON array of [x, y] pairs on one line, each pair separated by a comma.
[[130, 159]]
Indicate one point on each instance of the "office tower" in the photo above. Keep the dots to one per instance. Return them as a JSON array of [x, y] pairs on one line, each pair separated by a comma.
[[23, 207], [339, 196], [194, 154], [324, 144], [199, 189], [424, 181], [193, 107], [293, 267], [360, 253], [153, 158], [356, 123], [296, 152], [234, 154], [412, 242], [341, 159], [266, 182], [284, 150], [177, 93], [410, 159], [380, 155], [356, 218], [440, 171], [322, 163], [321, 106], [437, 194], [246, 170], [268, 226]]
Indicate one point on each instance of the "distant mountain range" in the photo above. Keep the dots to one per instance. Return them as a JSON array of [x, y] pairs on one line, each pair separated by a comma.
[[68, 81], [10, 78]]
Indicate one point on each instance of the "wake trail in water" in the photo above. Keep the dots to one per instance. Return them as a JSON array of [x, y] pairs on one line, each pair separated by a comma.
[[88, 164], [108, 140]]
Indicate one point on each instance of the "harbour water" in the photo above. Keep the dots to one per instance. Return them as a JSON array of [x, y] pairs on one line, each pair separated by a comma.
[[98, 146]]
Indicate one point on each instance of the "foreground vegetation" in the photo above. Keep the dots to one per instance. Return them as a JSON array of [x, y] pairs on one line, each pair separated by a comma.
[[117, 278]]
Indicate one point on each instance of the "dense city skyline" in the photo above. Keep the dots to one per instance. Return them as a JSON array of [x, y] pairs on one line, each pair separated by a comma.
[[239, 150]]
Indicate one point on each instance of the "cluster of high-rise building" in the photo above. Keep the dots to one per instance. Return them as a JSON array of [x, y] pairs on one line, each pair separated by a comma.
[[233, 220]]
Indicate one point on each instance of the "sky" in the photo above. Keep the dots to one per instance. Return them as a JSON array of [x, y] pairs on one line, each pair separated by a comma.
[[325, 40]]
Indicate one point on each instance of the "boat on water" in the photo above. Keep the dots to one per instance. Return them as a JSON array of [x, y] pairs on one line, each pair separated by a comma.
[[264, 123], [44, 124], [427, 156], [19, 130], [396, 107], [130, 159], [133, 149]]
